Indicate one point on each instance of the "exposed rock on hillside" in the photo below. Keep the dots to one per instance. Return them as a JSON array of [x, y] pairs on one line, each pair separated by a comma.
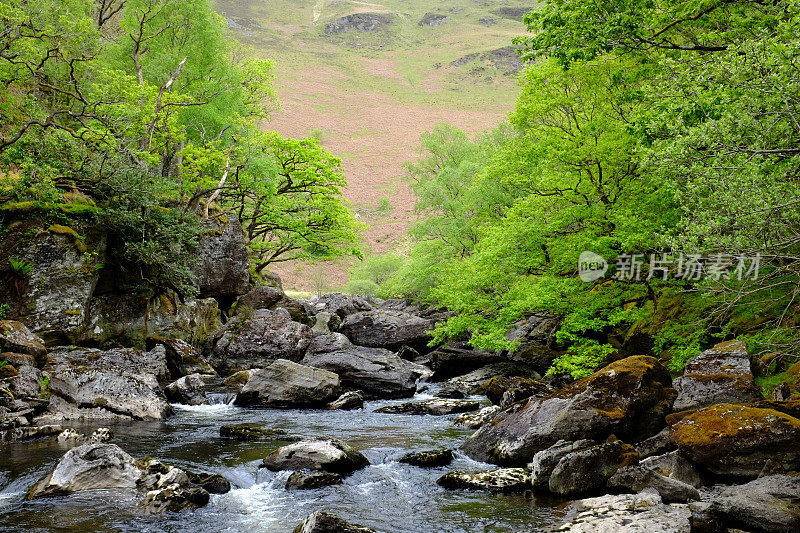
[[358, 21]]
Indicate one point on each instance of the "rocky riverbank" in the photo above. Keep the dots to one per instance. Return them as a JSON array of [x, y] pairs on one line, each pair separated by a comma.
[[632, 446]]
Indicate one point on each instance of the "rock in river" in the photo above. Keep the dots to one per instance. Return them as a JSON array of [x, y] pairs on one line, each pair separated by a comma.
[[501, 480], [429, 458], [627, 398], [330, 455], [431, 407], [288, 384], [324, 522]]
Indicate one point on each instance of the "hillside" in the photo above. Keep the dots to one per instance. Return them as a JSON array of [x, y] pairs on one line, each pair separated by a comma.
[[368, 95]]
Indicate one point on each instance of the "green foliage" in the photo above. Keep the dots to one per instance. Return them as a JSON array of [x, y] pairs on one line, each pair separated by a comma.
[[44, 387], [3, 363], [367, 277], [144, 109], [5, 310], [20, 267], [582, 359]]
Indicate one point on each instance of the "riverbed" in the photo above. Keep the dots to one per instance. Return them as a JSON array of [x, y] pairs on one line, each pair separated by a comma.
[[388, 496]]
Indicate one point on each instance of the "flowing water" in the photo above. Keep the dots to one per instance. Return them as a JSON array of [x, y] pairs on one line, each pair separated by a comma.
[[388, 496]]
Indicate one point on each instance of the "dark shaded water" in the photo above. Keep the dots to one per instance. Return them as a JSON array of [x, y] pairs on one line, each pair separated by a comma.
[[388, 496]]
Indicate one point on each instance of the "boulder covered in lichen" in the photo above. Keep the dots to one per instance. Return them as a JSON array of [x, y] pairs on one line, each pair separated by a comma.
[[628, 398], [737, 440]]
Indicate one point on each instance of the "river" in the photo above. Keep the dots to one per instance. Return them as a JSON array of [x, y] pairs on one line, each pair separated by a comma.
[[388, 496]]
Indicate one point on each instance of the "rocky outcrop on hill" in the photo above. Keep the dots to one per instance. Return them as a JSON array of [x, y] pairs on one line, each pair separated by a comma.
[[358, 21], [130, 320]]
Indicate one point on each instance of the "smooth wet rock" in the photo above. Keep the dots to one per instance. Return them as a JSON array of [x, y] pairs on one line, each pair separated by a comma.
[[307, 480], [545, 461], [324, 522], [718, 375], [181, 357], [256, 342], [250, 432], [169, 489], [501, 480], [288, 384], [437, 407], [212, 483], [28, 432], [429, 458], [506, 390], [377, 372], [473, 382], [658, 444], [588, 470], [89, 466], [348, 401], [475, 420], [188, 390], [330, 455], [769, 504], [16, 337], [627, 398], [626, 513], [737, 440]]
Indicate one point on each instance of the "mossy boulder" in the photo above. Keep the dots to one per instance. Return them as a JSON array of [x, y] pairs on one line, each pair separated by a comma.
[[224, 270], [737, 440], [16, 337], [720, 374], [52, 298], [628, 398]]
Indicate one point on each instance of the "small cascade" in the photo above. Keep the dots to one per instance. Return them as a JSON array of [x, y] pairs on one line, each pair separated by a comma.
[[221, 398]]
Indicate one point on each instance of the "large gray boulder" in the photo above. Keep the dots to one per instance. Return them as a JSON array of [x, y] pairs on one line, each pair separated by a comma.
[[89, 466], [770, 504], [288, 384], [628, 398], [115, 384], [341, 305], [377, 372], [718, 375], [244, 344], [545, 461], [131, 320], [53, 298], [587, 470], [626, 513], [224, 269], [182, 358], [388, 329], [330, 455], [188, 390]]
